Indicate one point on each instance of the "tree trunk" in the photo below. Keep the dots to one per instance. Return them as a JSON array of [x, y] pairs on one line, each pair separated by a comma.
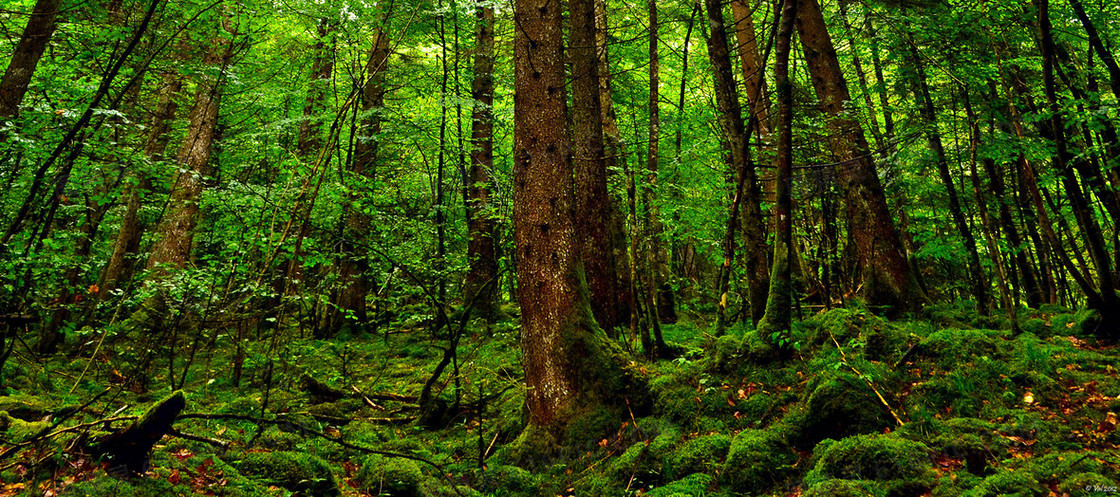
[[127, 244], [175, 233], [480, 289], [349, 306], [322, 69], [737, 139], [40, 27], [615, 156], [571, 369], [888, 279], [777, 320], [978, 281], [589, 160], [750, 57], [1106, 301]]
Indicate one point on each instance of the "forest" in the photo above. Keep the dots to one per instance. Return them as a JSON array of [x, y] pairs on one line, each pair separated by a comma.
[[542, 248]]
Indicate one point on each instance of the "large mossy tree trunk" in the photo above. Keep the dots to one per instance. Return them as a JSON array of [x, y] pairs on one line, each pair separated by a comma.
[[572, 371], [888, 278]]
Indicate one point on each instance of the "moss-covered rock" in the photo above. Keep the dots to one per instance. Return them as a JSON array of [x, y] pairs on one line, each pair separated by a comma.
[[1008, 484], [390, 476], [508, 480], [870, 457], [1087, 483], [840, 405], [17, 430], [840, 488], [702, 454], [292, 470], [697, 484], [756, 461], [951, 347]]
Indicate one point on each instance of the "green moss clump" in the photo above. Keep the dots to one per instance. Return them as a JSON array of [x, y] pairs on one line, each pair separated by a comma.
[[394, 477], [870, 457], [508, 480], [841, 405], [18, 430], [1086, 483], [757, 460], [292, 470], [273, 438], [952, 347], [840, 488], [697, 484], [700, 455], [1008, 484]]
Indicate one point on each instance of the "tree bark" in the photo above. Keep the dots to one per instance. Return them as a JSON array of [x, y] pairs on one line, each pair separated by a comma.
[[570, 370], [480, 288], [888, 279], [737, 140], [589, 160], [175, 233], [36, 35], [777, 320]]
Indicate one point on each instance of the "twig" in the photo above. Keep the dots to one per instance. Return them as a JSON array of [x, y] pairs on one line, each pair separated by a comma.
[[221, 444], [844, 358]]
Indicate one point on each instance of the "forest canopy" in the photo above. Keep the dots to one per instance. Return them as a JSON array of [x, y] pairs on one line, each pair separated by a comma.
[[596, 246]]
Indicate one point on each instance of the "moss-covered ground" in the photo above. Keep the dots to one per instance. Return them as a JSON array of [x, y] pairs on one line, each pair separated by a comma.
[[943, 404]]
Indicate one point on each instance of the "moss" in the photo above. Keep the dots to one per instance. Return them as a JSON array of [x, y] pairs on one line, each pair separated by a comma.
[[1086, 483], [697, 484], [952, 347], [840, 405], [294, 471], [508, 480], [700, 455], [108, 486], [1008, 484], [27, 407], [840, 488], [756, 461], [869, 457], [18, 430], [390, 476], [273, 438], [343, 408]]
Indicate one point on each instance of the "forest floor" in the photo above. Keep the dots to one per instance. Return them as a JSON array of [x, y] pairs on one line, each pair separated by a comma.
[[944, 404]]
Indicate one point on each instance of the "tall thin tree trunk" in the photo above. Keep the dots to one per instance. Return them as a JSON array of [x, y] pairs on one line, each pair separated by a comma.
[[777, 320], [481, 286], [127, 244], [737, 140], [659, 291], [888, 278], [36, 35], [978, 281], [589, 161], [322, 69]]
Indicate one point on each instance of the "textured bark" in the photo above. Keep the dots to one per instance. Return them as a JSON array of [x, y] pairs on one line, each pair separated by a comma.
[[887, 276], [565, 355], [127, 244], [737, 141], [174, 235], [322, 69], [36, 35], [615, 156], [480, 288], [778, 318], [750, 57], [589, 160]]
